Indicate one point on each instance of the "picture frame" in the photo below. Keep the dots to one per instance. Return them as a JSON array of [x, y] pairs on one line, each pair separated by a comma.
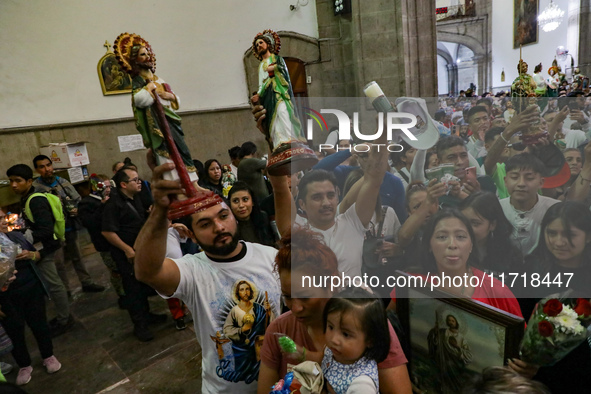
[[113, 79], [525, 22], [443, 357]]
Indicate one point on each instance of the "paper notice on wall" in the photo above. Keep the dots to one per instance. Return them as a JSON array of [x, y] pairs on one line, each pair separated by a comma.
[[128, 143], [76, 175]]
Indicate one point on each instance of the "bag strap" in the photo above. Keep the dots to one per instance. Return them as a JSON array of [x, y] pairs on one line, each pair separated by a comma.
[[133, 208], [381, 224]]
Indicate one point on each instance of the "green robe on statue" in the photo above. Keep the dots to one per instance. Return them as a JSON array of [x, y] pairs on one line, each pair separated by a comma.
[[277, 98], [146, 122]]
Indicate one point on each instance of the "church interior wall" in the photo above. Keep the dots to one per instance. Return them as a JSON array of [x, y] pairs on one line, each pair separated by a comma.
[[506, 57], [51, 91]]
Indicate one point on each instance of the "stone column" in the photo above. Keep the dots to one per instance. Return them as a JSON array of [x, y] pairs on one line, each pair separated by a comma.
[[584, 59], [420, 47], [391, 42]]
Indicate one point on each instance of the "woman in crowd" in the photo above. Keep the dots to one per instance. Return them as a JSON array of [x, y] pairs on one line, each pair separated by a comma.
[[212, 178], [253, 224], [564, 246], [492, 231], [24, 303], [303, 253], [449, 246]]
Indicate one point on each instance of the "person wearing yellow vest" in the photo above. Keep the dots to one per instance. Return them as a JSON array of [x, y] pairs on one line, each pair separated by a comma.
[[41, 222]]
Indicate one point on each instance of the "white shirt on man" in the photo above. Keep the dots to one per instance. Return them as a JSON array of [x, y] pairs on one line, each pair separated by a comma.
[[345, 238], [209, 288], [526, 224]]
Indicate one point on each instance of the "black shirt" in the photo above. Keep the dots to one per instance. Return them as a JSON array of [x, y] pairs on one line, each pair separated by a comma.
[[44, 222], [123, 216], [90, 212]]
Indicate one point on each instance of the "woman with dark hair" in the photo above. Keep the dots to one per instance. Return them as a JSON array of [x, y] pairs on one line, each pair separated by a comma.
[[253, 224], [564, 247], [492, 231], [302, 254], [449, 246], [212, 177]]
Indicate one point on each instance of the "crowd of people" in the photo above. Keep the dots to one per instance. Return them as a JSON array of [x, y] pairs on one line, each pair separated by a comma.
[[238, 266]]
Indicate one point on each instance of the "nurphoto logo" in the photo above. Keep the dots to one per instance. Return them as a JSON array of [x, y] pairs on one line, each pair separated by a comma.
[[393, 127]]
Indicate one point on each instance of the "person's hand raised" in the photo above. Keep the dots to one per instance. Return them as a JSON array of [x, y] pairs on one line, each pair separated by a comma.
[[164, 191], [259, 112]]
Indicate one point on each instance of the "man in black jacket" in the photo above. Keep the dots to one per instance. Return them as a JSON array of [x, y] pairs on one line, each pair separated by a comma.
[[21, 182], [123, 218]]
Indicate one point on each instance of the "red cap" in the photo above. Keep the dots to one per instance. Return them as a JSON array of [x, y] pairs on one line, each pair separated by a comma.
[[559, 179]]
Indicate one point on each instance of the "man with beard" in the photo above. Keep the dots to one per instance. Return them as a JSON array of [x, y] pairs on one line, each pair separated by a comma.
[[208, 282], [123, 217], [136, 57]]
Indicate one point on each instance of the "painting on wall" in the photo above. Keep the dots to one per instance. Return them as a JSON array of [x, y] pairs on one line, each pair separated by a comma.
[[525, 22], [112, 78]]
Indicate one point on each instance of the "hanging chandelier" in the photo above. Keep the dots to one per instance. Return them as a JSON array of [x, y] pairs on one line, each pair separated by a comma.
[[551, 17]]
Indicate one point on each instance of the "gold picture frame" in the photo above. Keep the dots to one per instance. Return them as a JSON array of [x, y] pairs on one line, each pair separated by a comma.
[[113, 79]]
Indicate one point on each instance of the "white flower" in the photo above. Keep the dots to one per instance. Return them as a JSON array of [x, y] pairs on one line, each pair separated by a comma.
[[567, 322]]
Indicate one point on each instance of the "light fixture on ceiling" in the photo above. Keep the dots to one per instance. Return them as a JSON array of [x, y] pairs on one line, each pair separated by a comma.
[[551, 17], [297, 5]]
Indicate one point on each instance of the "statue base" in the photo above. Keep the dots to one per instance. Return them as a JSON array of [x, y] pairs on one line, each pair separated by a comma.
[[182, 208], [290, 158]]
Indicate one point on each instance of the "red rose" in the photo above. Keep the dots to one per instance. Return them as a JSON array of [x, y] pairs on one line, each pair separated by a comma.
[[583, 307], [552, 307], [545, 328]]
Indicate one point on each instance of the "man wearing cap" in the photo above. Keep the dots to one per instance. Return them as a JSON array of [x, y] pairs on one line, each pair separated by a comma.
[[212, 283]]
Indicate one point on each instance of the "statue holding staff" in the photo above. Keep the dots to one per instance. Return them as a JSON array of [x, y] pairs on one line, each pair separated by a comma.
[[281, 125], [137, 58]]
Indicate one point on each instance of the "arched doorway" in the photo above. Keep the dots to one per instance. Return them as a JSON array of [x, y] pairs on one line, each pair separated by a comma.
[[456, 64]]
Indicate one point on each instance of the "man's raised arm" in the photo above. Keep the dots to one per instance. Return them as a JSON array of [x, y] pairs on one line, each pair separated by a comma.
[[151, 266], [374, 169]]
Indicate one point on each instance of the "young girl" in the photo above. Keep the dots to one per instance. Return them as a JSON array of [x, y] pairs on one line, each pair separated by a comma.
[[357, 339]]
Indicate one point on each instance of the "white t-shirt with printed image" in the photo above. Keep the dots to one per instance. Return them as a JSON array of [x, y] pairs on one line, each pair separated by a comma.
[[230, 330]]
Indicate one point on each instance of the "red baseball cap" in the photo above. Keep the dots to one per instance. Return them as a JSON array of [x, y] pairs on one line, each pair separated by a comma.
[[559, 179]]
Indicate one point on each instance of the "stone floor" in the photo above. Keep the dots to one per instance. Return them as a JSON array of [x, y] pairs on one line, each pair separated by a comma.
[[101, 355]]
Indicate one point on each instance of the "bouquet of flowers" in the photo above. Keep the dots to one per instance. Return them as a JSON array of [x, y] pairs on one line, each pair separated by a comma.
[[556, 327]]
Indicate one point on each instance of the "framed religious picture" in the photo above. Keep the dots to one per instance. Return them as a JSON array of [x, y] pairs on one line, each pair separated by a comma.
[[112, 78], [453, 339], [525, 22]]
